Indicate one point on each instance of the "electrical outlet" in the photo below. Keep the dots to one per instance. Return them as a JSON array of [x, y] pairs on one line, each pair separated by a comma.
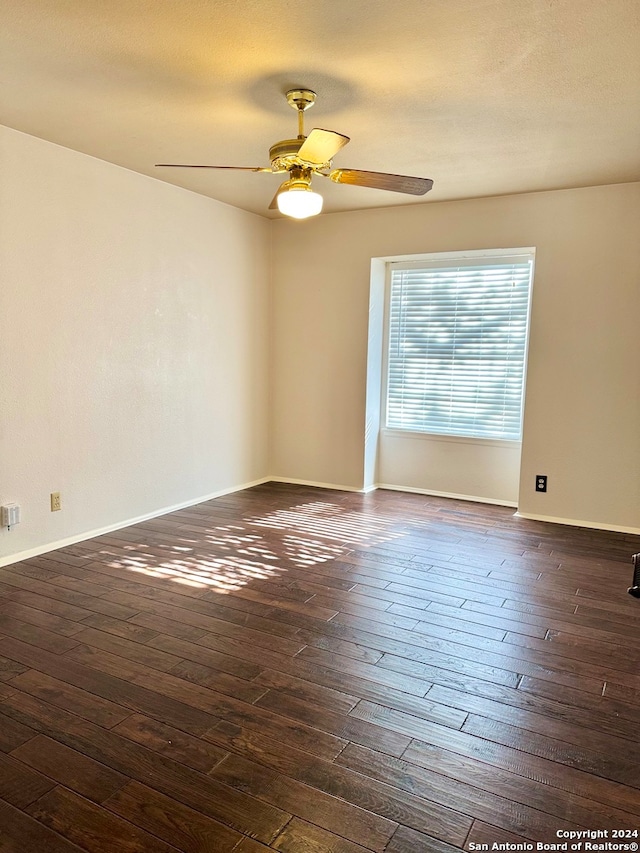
[[541, 482], [56, 502], [9, 515]]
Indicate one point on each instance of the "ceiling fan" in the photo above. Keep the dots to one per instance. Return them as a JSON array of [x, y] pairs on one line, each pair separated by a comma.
[[306, 156]]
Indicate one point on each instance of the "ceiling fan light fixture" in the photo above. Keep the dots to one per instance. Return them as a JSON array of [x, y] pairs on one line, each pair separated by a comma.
[[299, 202], [305, 157]]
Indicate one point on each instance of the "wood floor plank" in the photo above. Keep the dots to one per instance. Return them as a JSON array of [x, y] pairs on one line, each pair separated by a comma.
[[447, 669], [407, 840], [483, 833], [582, 671], [300, 688], [35, 635], [126, 630], [481, 802], [20, 833], [10, 668], [428, 588], [380, 675], [181, 747], [248, 845], [47, 604], [12, 733], [176, 824], [181, 618], [348, 728], [87, 825], [39, 618], [623, 692], [502, 620], [412, 723], [357, 651], [610, 650], [543, 715], [57, 692], [164, 625], [605, 630], [205, 676], [434, 625], [70, 768], [220, 662], [6, 689], [19, 784], [300, 835], [305, 802], [608, 763], [318, 611], [127, 649], [212, 616], [581, 699]]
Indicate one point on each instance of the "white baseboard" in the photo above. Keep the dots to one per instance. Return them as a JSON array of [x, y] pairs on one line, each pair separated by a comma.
[[573, 522], [472, 498], [315, 485], [90, 534]]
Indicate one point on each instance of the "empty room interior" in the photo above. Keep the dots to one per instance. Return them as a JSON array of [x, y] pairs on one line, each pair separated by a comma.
[[319, 426]]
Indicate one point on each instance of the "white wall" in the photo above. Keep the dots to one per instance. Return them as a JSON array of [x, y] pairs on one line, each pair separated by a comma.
[[582, 408], [450, 466], [133, 343]]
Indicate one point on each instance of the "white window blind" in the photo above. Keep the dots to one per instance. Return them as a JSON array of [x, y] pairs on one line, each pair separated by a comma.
[[457, 341]]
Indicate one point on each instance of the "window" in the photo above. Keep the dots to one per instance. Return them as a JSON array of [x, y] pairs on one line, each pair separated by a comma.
[[457, 336]]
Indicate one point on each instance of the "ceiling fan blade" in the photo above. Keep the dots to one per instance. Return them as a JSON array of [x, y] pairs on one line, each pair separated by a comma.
[[235, 168], [382, 181], [282, 188], [321, 146], [274, 200]]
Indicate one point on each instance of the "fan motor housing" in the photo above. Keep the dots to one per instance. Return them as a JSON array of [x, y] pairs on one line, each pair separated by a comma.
[[284, 154]]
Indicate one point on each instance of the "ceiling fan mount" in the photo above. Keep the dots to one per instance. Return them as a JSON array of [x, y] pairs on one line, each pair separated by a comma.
[[306, 156], [301, 99]]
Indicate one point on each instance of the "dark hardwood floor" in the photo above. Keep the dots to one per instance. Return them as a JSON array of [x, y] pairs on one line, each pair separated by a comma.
[[314, 671]]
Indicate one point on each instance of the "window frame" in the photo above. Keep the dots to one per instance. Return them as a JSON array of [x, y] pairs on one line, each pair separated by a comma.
[[437, 260]]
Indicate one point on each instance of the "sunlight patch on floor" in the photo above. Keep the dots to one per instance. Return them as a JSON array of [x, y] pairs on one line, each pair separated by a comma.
[[330, 521], [238, 554]]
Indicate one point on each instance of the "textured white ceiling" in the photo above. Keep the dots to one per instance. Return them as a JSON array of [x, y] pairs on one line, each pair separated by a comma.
[[484, 96]]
